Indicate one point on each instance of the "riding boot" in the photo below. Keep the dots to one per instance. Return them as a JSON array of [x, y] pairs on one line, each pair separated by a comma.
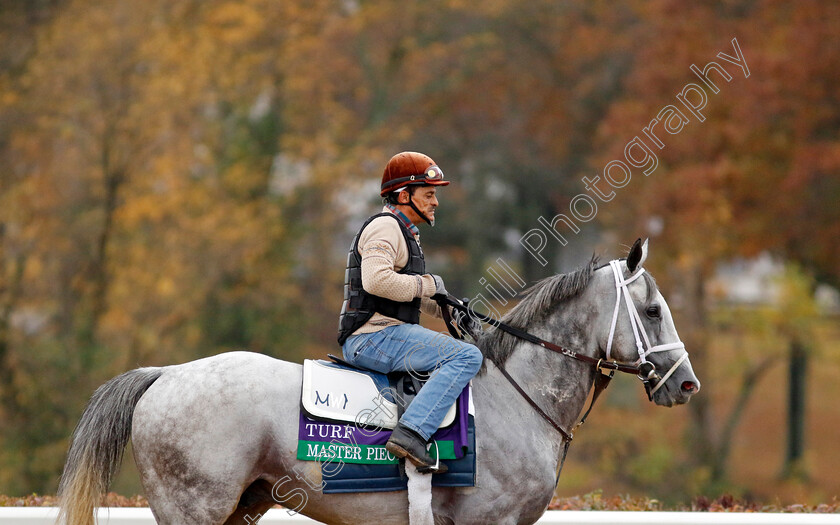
[[405, 443]]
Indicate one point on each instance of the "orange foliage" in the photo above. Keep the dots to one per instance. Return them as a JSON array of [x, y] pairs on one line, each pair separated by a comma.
[[177, 177]]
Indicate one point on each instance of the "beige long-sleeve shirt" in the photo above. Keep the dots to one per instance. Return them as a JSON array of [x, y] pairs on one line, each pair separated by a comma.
[[384, 253]]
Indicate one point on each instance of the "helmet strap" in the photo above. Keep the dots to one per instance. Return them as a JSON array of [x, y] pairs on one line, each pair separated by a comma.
[[417, 210]]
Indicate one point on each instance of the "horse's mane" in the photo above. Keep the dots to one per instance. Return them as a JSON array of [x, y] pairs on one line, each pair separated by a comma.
[[538, 302]]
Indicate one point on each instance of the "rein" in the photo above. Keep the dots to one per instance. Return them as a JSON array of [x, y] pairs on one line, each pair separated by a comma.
[[602, 379], [600, 363], [606, 368]]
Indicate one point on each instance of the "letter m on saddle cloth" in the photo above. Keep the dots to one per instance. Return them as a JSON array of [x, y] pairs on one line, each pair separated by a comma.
[[347, 415], [341, 393]]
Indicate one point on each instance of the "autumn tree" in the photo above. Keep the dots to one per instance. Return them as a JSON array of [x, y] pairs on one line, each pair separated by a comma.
[[146, 225], [181, 178], [726, 173]]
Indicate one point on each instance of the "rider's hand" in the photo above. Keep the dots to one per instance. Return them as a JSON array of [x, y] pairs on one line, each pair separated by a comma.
[[440, 289], [465, 323]]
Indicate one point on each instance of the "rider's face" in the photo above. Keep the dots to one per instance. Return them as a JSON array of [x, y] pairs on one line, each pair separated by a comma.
[[425, 199]]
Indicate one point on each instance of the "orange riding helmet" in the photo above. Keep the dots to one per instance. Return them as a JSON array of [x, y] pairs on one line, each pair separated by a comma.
[[410, 168]]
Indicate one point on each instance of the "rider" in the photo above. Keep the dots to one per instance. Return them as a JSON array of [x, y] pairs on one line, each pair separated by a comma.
[[386, 286]]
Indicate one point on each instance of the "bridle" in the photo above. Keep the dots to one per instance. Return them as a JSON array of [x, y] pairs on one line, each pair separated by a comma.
[[647, 370], [644, 369]]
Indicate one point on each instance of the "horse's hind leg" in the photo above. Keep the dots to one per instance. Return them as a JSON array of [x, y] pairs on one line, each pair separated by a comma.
[[175, 508], [175, 500], [184, 487]]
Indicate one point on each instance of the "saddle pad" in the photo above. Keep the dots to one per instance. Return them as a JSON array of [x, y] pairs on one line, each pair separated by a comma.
[[352, 477], [347, 443], [354, 459], [332, 392]]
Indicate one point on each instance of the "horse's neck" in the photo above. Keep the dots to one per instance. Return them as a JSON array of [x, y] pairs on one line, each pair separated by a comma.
[[557, 383]]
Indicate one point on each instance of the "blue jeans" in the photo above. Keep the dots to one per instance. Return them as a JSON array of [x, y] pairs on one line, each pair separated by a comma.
[[410, 347]]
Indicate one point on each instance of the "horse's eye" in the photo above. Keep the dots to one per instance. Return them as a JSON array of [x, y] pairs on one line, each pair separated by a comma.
[[653, 311]]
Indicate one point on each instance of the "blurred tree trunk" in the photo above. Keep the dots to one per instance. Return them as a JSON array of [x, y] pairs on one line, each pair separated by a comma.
[[794, 467], [5, 314], [10, 288], [723, 449], [711, 443], [701, 438], [114, 178]]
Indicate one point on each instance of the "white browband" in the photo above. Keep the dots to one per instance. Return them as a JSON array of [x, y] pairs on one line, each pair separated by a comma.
[[642, 343]]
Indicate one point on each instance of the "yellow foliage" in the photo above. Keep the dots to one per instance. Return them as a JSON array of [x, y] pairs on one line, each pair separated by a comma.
[[234, 22], [139, 138]]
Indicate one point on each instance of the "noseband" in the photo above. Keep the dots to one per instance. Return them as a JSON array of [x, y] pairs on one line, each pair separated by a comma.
[[647, 370]]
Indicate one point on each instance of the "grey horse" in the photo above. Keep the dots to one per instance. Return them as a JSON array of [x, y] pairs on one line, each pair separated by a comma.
[[215, 439]]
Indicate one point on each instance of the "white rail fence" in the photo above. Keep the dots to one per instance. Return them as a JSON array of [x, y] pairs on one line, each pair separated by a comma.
[[135, 516]]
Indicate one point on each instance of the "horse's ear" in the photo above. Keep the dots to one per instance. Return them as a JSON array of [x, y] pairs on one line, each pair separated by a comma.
[[638, 254]]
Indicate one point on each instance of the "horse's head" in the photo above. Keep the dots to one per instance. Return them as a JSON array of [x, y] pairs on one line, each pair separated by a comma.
[[640, 329]]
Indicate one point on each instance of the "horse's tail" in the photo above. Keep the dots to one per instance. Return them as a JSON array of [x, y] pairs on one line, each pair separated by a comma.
[[98, 443]]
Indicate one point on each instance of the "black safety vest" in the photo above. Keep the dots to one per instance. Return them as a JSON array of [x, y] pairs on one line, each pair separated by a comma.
[[359, 305]]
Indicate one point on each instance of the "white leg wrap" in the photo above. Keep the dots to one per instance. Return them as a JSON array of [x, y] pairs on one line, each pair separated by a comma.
[[419, 496]]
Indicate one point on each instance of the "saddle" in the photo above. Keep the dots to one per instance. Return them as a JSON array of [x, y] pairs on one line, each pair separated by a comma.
[[336, 391], [347, 414]]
